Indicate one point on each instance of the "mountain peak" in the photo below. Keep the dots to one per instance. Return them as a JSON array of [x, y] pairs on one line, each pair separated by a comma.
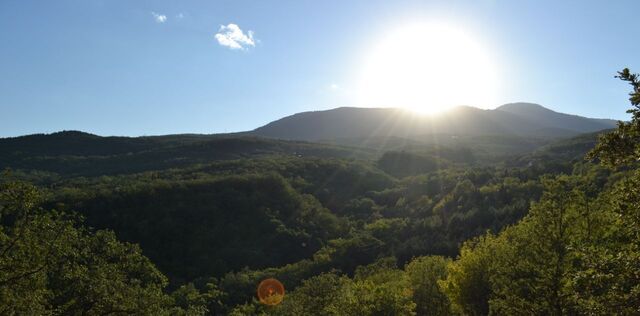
[[72, 133], [523, 107]]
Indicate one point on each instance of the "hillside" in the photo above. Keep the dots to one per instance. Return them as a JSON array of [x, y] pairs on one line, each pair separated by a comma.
[[73, 153], [515, 119], [552, 119]]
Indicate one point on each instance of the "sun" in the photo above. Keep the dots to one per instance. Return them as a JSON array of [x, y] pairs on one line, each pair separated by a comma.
[[428, 67]]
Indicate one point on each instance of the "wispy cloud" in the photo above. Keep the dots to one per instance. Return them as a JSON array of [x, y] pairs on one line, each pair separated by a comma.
[[233, 37], [160, 18], [180, 16]]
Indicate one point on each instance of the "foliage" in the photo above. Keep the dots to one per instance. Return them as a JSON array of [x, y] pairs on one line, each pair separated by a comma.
[[424, 274], [50, 266], [377, 289], [402, 164], [622, 146], [468, 284], [314, 296]]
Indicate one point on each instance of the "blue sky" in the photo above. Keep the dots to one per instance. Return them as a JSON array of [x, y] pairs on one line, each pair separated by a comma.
[[133, 68]]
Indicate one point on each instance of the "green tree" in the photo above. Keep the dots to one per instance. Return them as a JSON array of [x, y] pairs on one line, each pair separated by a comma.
[[424, 274], [377, 289], [49, 265], [468, 284], [610, 277], [622, 146], [314, 296], [531, 271]]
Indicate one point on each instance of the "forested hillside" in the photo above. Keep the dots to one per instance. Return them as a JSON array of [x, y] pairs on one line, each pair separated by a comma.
[[73, 153], [190, 224]]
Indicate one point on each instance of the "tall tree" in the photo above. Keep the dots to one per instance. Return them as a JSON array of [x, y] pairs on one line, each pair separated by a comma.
[[622, 146], [468, 284], [531, 273], [424, 274], [610, 279]]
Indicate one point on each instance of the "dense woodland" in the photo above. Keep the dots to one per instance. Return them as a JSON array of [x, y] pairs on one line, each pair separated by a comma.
[[189, 225]]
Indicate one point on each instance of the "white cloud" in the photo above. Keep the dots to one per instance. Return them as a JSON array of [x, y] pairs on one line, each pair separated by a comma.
[[232, 36], [334, 86], [160, 18]]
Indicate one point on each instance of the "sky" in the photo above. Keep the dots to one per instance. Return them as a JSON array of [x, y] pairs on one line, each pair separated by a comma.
[[122, 67]]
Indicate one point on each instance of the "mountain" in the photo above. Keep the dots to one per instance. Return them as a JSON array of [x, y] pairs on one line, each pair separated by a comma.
[[553, 119], [515, 119]]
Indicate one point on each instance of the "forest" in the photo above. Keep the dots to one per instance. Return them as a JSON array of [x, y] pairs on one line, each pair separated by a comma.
[[190, 225]]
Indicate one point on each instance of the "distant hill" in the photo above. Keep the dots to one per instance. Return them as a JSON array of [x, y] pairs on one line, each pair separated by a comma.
[[75, 153], [515, 119]]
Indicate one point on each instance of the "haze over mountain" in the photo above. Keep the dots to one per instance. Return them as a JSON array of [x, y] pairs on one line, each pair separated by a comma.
[[514, 119]]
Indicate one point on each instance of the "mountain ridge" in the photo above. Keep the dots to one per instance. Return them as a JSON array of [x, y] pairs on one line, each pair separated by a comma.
[[520, 119]]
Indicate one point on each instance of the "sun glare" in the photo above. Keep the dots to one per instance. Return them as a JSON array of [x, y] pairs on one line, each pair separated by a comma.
[[428, 68]]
